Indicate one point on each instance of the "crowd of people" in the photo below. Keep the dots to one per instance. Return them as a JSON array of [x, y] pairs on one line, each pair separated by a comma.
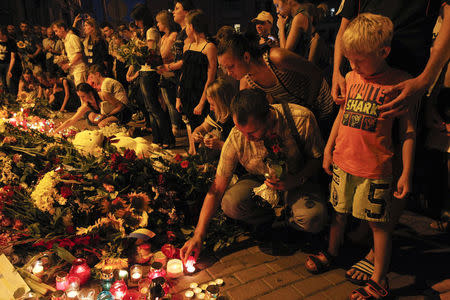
[[281, 98]]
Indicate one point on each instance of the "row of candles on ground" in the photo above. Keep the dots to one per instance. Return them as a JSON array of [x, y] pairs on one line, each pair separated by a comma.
[[205, 291], [80, 273]]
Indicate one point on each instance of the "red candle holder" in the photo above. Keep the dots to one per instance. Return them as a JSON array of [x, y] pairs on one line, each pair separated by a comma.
[[118, 289], [61, 281], [189, 264], [81, 270], [156, 270]]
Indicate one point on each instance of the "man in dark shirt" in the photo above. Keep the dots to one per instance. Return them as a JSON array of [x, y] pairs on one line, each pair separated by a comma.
[[413, 25], [8, 51]]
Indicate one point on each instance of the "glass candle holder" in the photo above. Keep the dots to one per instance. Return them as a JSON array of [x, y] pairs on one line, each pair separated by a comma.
[[118, 289], [72, 294], [107, 278], [80, 269], [58, 295], [156, 270], [174, 268], [136, 272], [189, 265], [212, 292], [30, 296], [87, 294], [61, 280], [105, 295], [144, 286]]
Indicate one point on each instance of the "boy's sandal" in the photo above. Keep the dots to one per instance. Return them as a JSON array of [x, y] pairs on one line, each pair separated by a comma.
[[364, 266], [320, 266], [375, 289]]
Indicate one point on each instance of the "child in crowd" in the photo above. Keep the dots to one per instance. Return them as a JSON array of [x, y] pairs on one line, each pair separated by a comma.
[[213, 132], [359, 151]]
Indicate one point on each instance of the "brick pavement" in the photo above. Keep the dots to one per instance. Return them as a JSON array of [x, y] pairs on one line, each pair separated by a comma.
[[249, 273]]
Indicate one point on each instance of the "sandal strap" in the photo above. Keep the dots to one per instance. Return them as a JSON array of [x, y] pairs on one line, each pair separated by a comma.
[[364, 266], [377, 289], [317, 263], [362, 292]]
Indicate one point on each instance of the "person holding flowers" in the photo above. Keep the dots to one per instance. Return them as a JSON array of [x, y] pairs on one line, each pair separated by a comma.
[[261, 131]]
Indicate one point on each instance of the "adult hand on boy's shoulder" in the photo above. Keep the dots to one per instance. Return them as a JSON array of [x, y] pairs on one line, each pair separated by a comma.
[[401, 94], [403, 187]]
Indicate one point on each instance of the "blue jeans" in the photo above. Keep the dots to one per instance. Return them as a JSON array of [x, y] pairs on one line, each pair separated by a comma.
[[155, 117]]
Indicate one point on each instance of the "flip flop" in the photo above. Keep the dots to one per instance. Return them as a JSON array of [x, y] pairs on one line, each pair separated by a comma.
[[321, 267], [442, 226], [375, 288], [364, 266]]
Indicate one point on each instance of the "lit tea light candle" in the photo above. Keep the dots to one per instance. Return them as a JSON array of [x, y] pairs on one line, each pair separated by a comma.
[[212, 283], [174, 268], [193, 285], [38, 268], [201, 296], [71, 294], [87, 294], [190, 264], [123, 275], [61, 281], [219, 281], [197, 290], [136, 273], [189, 294], [204, 286], [144, 285]]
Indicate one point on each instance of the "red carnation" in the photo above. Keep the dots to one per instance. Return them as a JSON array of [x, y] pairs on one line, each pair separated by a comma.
[[115, 157], [178, 158], [170, 236], [130, 154], [66, 191], [276, 149], [184, 164], [169, 250], [123, 168]]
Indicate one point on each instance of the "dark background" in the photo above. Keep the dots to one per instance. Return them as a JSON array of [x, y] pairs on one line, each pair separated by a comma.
[[221, 12]]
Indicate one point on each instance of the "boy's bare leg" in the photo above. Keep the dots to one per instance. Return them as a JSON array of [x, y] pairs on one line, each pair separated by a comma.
[[337, 231]]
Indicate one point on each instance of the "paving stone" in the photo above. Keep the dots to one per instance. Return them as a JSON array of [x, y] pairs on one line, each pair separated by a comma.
[[229, 283], [220, 269], [311, 285], [183, 282], [301, 270], [335, 276], [341, 291], [253, 273], [281, 278], [401, 282], [234, 255], [283, 263], [254, 249], [287, 292], [248, 290], [254, 259], [318, 296]]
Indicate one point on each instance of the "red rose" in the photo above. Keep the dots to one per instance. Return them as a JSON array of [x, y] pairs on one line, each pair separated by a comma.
[[161, 180], [178, 158], [169, 250], [115, 158], [130, 154], [276, 149], [170, 236], [66, 191], [184, 164], [123, 168]]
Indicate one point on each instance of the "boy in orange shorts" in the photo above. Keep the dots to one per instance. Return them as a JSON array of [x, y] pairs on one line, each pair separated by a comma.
[[359, 151]]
